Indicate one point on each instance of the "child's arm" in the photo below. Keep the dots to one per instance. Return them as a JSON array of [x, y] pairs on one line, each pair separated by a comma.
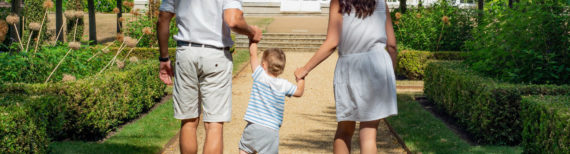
[[300, 88], [253, 56]]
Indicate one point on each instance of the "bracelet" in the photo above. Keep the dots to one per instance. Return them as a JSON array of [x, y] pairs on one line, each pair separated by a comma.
[[161, 59]]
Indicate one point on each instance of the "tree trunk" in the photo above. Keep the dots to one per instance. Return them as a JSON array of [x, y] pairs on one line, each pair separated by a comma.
[[16, 9], [92, 23], [511, 4], [403, 6], [59, 20], [480, 5], [119, 15]]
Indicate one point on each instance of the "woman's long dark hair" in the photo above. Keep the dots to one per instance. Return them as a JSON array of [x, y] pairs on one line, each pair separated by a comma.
[[362, 8]]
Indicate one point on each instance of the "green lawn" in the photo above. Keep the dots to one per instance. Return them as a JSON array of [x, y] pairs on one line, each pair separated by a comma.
[[147, 135], [240, 58], [423, 132]]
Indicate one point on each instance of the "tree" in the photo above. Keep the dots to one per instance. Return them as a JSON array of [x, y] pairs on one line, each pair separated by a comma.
[[92, 23], [480, 6], [403, 6], [59, 19], [119, 15], [16, 9]]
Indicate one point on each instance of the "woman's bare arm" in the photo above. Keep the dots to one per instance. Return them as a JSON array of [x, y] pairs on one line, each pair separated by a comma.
[[391, 42], [330, 44]]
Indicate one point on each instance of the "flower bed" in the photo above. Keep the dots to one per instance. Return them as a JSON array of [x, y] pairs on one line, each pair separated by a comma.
[[546, 126], [488, 109]]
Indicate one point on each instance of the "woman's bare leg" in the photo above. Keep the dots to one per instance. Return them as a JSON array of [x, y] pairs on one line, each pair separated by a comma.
[[344, 132], [368, 131]]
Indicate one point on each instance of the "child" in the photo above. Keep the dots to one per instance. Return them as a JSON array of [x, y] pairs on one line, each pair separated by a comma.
[[267, 101]]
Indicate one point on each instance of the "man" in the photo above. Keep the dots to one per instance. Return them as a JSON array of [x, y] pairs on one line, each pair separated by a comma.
[[204, 66]]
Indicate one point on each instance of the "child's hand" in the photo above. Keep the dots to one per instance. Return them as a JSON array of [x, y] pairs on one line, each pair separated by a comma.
[[300, 74]]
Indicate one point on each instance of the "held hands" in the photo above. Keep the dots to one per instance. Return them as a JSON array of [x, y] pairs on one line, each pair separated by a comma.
[[300, 74], [257, 34], [165, 73]]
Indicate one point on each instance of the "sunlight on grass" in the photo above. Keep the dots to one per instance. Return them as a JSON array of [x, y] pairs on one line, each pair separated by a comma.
[[147, 135], [240, 59], [425, 133]]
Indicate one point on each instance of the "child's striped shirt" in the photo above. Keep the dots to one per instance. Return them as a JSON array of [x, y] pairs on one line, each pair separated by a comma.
[[267, 100]]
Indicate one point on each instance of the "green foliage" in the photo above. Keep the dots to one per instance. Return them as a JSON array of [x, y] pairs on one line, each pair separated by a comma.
[[413, 121], [421, 28], [527, 44], [134, 30], [411, 64], [152, 132], [546, 127], [74, 24], [35, 68], [98, 104], [487, 109], [27, 121], [34, 12]]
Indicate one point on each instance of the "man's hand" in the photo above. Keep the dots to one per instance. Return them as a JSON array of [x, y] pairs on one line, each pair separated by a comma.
[[300, 74], [257, 35], [165, 73]]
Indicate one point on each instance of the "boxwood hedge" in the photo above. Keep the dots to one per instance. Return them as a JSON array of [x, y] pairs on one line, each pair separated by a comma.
[[26, 120], [411, 63], [86, 109], [488, 109], [546, 124]]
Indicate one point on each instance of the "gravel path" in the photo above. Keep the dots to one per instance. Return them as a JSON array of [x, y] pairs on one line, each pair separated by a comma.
[[309, 122]]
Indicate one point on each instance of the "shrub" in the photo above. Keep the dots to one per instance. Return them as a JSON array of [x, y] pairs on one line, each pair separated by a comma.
[[411, 64], [546, 127], [96, 105], [72, 24], [421, 28], [27, 121], [34, 12], [527, 44], [133, 29], [487, 109], [36, 67]]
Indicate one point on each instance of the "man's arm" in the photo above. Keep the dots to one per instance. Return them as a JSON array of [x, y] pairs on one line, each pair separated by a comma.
[[253, 56], [300, 88], [235, 20], [163, 29]]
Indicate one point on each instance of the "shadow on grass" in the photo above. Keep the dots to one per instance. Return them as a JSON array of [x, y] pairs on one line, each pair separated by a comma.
[[72, 147], [423, 132]]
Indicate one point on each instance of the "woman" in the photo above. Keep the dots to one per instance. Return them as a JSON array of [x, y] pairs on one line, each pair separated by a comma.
[[364, 82]]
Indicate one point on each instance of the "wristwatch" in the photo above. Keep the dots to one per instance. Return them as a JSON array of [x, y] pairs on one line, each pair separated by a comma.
[[161, 59]]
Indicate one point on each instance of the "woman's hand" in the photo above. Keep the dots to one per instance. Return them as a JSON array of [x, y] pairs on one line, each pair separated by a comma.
[[300, 74]]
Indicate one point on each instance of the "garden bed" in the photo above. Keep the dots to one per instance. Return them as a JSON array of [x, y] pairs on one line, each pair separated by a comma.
[[84, 109], [488, 109]]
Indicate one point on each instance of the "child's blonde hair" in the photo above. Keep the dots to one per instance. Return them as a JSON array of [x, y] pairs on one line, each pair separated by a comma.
[[275, 59]]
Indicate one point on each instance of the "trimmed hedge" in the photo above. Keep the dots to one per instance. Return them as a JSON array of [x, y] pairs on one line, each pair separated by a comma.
[[487, 109], [98, 104], [87, 109], [411, 64], [26, 120], [546, 124]]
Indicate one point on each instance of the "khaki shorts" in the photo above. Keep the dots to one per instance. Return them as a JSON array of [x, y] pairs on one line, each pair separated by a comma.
[[203, 83]]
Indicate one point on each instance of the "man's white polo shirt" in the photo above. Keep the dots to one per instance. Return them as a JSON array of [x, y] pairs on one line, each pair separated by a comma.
[[202, 21]]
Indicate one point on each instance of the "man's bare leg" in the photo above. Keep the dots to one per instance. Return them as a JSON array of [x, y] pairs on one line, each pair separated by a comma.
[[188, 141], [214, 137]]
